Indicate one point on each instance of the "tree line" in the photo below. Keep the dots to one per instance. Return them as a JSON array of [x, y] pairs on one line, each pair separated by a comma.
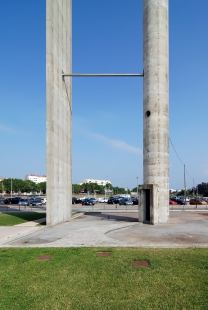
[[21, 186], [92, 188], [200, 189], [27, 186]]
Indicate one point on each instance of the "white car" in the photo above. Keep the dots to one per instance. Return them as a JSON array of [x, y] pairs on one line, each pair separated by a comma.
[[102, 200], [44, 200]]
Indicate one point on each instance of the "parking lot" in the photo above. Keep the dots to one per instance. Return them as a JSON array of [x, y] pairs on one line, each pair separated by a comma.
[[15, 207], [104, 207]]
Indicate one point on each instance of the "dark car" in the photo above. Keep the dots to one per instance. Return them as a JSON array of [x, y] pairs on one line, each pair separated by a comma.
[[10, 201], [36, 202], [113, 200], [125, 201], [94, 199], [135, 201], [76, 200], [178, 200], [88, 201]]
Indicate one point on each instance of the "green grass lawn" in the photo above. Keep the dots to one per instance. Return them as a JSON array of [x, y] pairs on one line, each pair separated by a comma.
[[19, 217], [75, 278]]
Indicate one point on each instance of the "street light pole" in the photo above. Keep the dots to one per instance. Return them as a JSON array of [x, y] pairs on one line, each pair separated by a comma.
[[137, 186], [11, 185], [184, 184], [105, 185]]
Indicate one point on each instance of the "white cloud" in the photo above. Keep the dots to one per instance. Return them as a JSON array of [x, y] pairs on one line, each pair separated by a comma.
[[118, 144], [10, 130]]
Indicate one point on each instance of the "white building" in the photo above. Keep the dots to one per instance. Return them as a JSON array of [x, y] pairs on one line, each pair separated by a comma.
[[36, 178], [99, 182]]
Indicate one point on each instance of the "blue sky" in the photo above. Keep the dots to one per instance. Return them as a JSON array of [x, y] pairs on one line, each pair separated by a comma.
[[107, 112]]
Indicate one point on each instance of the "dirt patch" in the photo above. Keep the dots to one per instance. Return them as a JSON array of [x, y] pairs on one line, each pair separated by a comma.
[[141, 263], [44, 257], [103, 253]]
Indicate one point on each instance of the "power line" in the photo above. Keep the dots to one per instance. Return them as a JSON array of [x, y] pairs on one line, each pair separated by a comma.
[[179, 158], [175, 151]]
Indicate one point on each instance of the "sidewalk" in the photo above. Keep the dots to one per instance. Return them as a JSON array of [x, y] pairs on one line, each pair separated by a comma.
[[32, 223], [184, 229]]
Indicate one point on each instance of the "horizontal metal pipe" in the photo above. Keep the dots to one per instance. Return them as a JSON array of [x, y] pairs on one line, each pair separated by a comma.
[[103, 74]]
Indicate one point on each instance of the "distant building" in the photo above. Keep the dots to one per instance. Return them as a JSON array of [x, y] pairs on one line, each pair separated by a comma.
[[99, 182], [1, 179], [36, 178], [173, 191]]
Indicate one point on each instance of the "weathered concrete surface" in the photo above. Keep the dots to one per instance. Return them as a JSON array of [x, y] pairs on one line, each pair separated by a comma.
[[59, 110], [184, 229], [156, 102]]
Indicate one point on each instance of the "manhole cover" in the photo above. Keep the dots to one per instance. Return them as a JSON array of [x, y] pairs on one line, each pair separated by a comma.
[[44, 257], [141, 263], [103, 253]]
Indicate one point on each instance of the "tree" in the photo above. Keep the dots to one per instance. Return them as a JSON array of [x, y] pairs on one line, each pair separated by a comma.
[[206, 193], [29, 186], [202, 188], [41, 187]]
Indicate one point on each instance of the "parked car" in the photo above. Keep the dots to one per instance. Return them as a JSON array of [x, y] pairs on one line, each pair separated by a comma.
[[197, 201], [178, 200], [36, 202], [2, 199], [135, 200], [88, 201], [183, 199], [172, 202], [94, 199], [30, 199], [113, 200], [44, 200], [102, 200], [125, 201], [76, 200], [205, 199], [23, 202], [10, 201]]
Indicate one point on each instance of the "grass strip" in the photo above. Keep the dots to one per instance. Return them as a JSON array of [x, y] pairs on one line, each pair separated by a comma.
[[76, 278], [19, 218]]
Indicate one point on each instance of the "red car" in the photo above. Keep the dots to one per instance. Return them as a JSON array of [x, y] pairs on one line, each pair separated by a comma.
[[171, 202]]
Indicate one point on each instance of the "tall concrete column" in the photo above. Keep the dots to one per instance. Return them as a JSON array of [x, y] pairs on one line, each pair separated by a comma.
[[59, 110], [156, 103]]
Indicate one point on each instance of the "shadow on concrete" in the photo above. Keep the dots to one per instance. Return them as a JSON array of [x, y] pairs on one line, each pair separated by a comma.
[[110, 216]]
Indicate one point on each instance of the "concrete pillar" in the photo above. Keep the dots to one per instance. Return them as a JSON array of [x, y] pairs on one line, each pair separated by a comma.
[[156, 103], [59, 111]]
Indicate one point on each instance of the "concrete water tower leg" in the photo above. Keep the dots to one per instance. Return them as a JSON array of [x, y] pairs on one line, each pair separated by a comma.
[[156, 103], [59, 111]]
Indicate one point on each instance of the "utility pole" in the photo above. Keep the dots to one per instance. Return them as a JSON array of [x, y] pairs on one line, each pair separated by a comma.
[[137, 197]]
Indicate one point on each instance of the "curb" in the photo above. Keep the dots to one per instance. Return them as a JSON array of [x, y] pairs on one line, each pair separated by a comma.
[[77, 215]]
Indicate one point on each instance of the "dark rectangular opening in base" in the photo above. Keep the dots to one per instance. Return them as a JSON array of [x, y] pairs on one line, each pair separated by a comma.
[[147, 205]]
